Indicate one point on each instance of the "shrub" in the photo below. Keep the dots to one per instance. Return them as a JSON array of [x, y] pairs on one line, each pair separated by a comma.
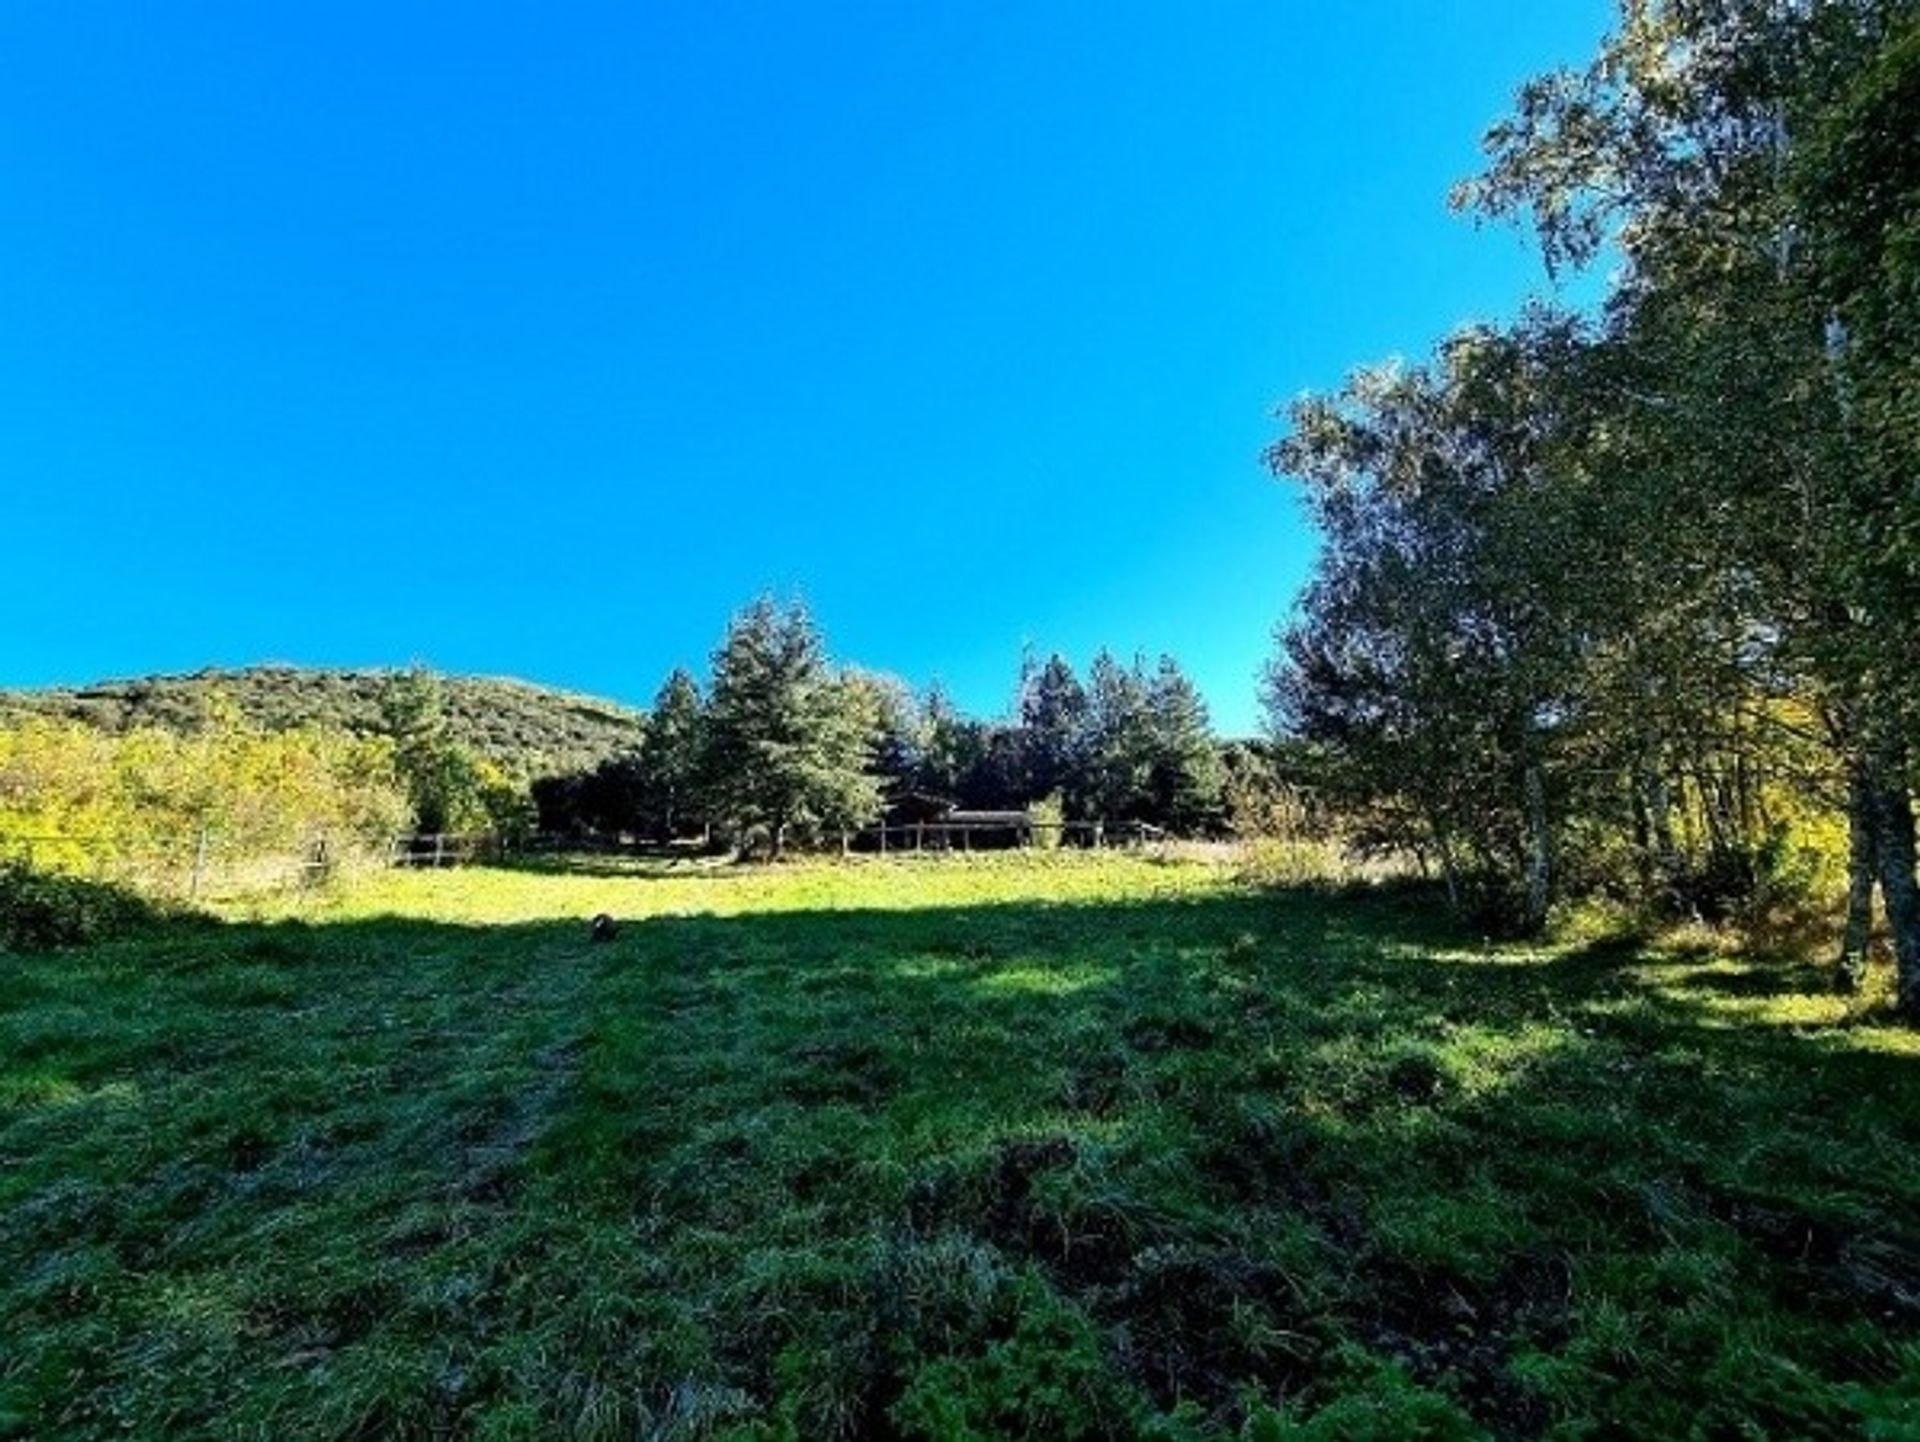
[[259, 792], [40, 911], [1049, 814]]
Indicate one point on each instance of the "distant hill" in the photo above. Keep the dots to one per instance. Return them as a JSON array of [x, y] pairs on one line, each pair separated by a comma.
[[530, 730]]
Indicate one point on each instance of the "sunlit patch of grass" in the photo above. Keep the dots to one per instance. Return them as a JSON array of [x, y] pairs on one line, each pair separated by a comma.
[[1031, 1145], [26, 1090], [1043, 981]]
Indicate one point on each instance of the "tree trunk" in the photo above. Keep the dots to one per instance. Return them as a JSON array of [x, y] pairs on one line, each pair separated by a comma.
[[1660, 859], [1893, 826], [1539, 849], [1862, 859], [1444, 850]]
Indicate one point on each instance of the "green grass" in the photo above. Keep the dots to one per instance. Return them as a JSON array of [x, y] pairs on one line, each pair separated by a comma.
[[1050, 1148]]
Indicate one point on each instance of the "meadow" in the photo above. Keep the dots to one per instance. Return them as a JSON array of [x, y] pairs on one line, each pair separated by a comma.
[[1066, 1146]]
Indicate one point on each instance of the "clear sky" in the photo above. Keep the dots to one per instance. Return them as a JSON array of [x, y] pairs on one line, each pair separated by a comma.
[[535, 339]]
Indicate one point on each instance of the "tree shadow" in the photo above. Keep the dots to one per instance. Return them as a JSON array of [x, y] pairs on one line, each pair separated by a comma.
[[842, 1165]]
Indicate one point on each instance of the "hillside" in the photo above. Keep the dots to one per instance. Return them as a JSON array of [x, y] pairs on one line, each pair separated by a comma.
[[529, 729]]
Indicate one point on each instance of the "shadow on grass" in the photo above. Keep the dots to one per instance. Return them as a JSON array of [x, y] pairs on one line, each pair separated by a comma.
[[1045, 1168]]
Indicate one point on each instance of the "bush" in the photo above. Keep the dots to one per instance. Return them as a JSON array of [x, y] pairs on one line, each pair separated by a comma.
[[1273, 861], [259, 791], [1049, 815], [40, 911]]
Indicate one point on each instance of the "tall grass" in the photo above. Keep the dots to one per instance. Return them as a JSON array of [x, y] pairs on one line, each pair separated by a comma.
[[1087, 1146]]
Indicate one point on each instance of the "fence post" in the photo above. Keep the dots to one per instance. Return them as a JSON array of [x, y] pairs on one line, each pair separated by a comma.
[[199, 865], [439, 849], [319, 860]]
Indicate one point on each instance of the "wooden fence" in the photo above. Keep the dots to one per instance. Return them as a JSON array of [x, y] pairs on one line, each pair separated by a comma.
[[923, 836], [205, 866]]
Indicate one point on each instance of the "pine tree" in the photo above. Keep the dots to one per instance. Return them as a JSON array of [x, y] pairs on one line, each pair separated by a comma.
[[671, 757], [1185, 777], [1053, 716], [790, 740], [441, 779], [1118, 756]]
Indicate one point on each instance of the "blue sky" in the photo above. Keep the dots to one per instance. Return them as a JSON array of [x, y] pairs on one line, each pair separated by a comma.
[[534, 340]]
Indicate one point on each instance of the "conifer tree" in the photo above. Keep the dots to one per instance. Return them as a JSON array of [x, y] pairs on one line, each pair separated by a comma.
[[671, 757], [789, 740]]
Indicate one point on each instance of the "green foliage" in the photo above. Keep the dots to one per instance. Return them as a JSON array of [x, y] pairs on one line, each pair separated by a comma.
[[477, 754], [1117, 753], [449, 787], [523, 729], [1185, 777], [67, 789], [1048, 813], [1053, 714], [1049, 1379], [789, 740], [974, 762], [1386, 1406], [671, 760], [1607, 608], [1146, 750], [41, 910]]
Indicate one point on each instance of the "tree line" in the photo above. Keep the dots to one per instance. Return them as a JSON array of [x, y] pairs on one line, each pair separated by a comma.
[[784, 746], [780, 746], [71, 793], [1630, 602]]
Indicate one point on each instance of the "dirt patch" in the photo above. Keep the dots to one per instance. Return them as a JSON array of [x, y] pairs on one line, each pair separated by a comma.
[[1836, 1267], [840, 1071], [1025, 1205], [1167, 1033], [488, 1171], [1453, 1331], [1097, 1086], [1196, 1325], [247, 1150], [1258, 1160], [1417, 1080]]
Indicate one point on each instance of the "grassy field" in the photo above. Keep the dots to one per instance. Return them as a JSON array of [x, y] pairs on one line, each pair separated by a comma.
[[1048, 1148]]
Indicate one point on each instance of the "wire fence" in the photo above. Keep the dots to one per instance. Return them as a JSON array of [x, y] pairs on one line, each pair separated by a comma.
[[208, 867], [212, 866], [201, 867]]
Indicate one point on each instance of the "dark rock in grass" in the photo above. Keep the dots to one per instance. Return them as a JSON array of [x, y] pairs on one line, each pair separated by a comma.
[[604, 928]]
